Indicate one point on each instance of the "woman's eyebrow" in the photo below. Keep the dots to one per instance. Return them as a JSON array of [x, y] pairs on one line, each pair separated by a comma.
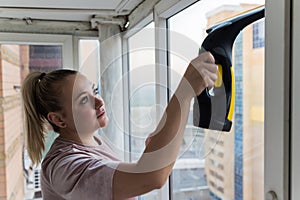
[[83, 92]]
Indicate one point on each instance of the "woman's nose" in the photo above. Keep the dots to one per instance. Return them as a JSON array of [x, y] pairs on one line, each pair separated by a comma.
[[98, 102]]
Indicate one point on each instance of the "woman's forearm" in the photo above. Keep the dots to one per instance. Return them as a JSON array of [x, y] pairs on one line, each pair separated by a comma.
[[164, 144]]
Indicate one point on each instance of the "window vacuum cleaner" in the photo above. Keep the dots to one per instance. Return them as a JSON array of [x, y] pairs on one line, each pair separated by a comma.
[[213, 108]]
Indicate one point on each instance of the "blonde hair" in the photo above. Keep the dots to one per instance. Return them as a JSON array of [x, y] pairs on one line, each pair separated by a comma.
[[41, 94]]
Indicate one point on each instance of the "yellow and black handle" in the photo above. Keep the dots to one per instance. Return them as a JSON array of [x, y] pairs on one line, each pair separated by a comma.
[[213, 108]]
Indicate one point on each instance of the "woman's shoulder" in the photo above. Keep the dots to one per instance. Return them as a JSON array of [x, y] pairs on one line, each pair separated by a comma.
[[66, 151], [61, 148], [67, 158]]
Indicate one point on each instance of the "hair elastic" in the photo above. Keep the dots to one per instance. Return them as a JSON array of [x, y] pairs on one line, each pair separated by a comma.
[[42, 76]]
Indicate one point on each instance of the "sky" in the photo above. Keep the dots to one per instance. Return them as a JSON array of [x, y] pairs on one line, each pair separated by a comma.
[[187, 33], [191, 14]]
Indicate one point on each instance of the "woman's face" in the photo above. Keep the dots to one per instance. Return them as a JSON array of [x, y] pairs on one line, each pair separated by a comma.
[[84, 109]]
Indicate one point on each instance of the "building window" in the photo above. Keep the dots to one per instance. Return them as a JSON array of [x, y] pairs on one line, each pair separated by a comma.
[[45, 58], [259, 34], [239, 115]]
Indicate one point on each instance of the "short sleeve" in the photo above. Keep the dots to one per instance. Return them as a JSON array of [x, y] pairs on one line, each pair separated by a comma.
[[79, 176]]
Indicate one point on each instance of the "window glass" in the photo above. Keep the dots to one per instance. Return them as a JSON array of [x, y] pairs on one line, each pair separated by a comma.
[[142, 97], [215, 164], [142, 88], [89, 61]]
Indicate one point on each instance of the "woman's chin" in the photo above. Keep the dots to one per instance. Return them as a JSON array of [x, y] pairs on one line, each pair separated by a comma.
[[103, 122]]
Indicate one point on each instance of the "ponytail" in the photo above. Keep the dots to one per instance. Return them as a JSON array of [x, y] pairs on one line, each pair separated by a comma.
[[41, 94], [35, 137]]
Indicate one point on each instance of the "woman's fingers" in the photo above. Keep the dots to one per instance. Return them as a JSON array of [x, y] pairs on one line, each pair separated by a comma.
[[208, 71], [202, 72], [208, 57], [208, 80], [209, 74]]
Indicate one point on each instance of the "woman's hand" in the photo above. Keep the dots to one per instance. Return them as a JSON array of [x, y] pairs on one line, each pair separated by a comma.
[[200, 74]]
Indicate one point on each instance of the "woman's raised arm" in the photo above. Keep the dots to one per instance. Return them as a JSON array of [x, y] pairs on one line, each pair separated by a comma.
[[162, 148]]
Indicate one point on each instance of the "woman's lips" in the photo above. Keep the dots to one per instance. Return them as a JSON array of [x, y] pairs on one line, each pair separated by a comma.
[[101, 113]]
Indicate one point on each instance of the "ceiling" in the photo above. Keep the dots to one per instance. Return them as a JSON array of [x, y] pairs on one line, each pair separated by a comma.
[[65, 10]]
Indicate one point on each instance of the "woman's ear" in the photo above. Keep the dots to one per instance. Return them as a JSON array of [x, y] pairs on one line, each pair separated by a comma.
[[56, 118]]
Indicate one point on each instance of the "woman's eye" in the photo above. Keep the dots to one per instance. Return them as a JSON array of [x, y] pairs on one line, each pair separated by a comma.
[[96, 91], [84, 100]]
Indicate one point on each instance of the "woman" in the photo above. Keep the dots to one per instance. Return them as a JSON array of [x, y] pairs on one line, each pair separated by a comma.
[[80, 165]]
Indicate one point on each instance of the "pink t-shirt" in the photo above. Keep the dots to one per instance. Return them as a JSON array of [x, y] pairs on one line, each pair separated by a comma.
[[77, 172]]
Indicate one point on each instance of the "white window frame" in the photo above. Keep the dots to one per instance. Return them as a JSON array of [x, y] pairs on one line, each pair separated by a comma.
[[278, 129], [44, 39], [277, 124], [277, 99], [295, 109], [280, 125]]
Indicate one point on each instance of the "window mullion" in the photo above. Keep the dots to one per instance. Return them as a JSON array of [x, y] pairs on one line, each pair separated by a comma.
[[126, 88], [161, 78]]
